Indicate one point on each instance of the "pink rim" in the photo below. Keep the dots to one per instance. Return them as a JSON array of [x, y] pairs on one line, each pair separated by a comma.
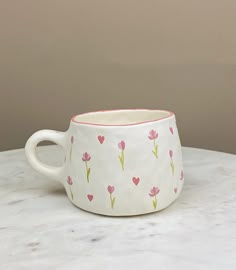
[[138, 123]]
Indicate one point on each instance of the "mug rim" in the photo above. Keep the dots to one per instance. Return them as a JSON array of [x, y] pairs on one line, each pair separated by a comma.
[[170, 114]]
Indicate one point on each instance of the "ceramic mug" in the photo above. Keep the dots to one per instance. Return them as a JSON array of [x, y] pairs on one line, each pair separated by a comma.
[[118, 163]]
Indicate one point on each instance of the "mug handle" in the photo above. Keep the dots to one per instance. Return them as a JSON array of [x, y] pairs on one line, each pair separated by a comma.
[[57, 137]]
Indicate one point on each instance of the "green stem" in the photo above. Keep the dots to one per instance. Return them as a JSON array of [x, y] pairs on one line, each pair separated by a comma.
[[87, 171], [172, 167], [72, 197], [154, 202], [123, 159], [70, 151], [155, 149], [111, 201]]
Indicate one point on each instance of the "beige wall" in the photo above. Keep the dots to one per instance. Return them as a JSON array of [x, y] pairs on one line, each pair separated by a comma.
[[60, 58]]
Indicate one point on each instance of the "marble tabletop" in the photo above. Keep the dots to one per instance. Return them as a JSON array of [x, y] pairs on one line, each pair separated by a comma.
[[41, 229]]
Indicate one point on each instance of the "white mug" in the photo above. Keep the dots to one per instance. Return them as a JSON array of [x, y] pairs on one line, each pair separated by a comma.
[[119, 162]]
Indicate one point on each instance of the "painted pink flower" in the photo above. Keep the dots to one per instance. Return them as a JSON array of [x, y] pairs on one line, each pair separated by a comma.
[[121, 145], [172, 130], [72, 139], [171, 154], [154, 191], [153, 135], [86, 157], [70, 183], [182, 175], [69, 180], [110, 189], [121, 157]]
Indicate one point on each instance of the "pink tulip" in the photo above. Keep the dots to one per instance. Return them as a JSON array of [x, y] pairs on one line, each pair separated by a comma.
[[153, 135], [86, 157], [110, 189], [171, 154], [154, 191], [72, 139], [121, 145], [69, 180]]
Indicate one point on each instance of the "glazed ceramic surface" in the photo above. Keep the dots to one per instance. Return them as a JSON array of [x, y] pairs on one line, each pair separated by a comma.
[[117, 163]]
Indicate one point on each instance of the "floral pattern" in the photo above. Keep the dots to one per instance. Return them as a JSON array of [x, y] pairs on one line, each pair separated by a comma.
[[70, 183], [111, 189], [172, 165], [153, 135], [86, 158], [121, 146], [153, 193]]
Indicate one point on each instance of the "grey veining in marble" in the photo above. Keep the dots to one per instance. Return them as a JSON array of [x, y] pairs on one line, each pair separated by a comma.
[[41, 229]]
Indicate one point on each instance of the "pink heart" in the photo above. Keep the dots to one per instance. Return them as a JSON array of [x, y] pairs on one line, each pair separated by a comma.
[[136, 180], [175, 190], [101, 139], [172, 130], [90, 197]]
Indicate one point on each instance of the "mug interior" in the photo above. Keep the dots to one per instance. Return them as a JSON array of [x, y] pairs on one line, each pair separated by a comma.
[[121, 117]]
